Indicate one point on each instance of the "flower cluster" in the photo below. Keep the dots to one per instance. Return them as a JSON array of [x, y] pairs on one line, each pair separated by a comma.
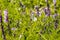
[[5, 15]]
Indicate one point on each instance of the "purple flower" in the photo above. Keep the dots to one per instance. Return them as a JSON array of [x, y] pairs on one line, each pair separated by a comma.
[[38, 13], [37, 10], [47, 12], [54, 16], [54, 1], [5, 12], [5, 15]]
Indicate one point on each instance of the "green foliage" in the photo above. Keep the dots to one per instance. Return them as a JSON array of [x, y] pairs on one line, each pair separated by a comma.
[[22, 27]]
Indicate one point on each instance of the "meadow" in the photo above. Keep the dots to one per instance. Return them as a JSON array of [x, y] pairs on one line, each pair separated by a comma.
[[29, 19]]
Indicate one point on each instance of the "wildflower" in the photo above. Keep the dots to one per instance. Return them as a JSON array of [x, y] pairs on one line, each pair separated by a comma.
[[32, 16], [37, 10], [47, 12], [36, 7], [5, 12], [54, 1], [5, 15], [54, 16], [3, 34]]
